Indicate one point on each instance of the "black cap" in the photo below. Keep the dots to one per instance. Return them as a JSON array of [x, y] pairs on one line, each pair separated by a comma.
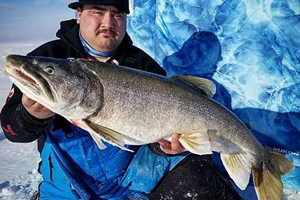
[[122, 5]]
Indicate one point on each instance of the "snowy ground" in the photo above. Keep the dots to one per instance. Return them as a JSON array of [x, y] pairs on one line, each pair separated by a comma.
[[18, 162]]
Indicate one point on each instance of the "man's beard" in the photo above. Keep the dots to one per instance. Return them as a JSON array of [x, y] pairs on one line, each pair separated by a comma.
[[107, 46]]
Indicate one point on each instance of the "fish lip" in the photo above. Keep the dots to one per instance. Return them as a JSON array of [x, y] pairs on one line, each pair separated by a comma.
[[41, 83], [30, 77]]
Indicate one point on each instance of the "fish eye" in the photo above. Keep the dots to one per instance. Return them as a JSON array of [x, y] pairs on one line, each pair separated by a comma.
[[50, 70], [71, 59]]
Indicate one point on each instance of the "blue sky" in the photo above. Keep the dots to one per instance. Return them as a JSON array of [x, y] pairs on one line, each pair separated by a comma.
[[30, 20]]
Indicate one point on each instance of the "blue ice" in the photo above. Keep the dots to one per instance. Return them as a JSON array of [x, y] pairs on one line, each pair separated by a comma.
[[250, 49]]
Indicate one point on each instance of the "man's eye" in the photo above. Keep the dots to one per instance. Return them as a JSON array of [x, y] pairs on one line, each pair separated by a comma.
[[119, 16], [98, 12]]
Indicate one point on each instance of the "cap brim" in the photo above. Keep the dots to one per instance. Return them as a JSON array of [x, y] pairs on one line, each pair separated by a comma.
[[74, 5]]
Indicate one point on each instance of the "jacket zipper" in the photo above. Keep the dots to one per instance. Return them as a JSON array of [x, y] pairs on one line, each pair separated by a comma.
[[51, 167]]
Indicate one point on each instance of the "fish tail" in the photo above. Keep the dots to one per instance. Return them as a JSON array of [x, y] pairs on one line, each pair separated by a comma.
[[266, 177]]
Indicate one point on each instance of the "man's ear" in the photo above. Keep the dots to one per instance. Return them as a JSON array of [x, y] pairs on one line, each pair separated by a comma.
[[79, 12]]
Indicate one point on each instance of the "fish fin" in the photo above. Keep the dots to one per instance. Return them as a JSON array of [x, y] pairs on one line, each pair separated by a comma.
[[266, 177], [98, 139], [215, 141], [238, 166], [106, 134], [204, 85], [277, 160], [196, 142]]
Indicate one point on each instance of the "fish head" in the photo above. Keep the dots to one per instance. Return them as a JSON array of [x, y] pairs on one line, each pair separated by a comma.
[[65, 86]]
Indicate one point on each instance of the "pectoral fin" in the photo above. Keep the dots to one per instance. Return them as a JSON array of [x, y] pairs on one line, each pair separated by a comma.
[[98, 139], [196, 142], [100, 132]]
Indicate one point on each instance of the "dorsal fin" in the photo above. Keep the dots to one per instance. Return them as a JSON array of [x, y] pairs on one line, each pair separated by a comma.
[[203, 84]]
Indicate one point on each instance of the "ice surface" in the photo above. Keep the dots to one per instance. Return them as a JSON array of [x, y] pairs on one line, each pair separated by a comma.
[[18, 162]]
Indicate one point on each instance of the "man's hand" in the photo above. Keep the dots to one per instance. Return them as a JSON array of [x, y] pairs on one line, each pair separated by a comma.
[[35, 109], [174, 147]]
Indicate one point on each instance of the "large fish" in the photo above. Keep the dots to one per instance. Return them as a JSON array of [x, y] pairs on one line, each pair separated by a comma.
[[128, 106]]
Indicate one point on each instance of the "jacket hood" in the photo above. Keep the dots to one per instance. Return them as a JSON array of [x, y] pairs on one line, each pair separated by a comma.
[[68, 33]]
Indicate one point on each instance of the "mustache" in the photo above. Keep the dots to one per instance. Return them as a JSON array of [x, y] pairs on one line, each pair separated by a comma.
[[110, 31]]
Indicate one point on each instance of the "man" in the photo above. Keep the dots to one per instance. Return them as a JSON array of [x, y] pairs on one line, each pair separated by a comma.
[[72, 165]]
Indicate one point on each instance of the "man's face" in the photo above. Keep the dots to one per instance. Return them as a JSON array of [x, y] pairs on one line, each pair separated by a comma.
[[102, 27]]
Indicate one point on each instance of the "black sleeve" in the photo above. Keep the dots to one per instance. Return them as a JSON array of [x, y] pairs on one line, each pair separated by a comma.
[[17, 124], [154, 147]]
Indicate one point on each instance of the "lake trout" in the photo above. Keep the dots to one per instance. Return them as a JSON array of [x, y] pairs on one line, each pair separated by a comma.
[[121, 105]]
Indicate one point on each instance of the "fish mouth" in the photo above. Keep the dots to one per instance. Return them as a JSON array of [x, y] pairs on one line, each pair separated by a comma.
[[29, 82]]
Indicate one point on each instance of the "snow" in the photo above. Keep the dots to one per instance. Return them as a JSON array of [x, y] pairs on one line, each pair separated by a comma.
[[18, 162], [21, 187]]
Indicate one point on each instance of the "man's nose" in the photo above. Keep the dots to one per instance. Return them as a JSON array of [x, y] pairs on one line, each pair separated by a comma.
[[108, 20]]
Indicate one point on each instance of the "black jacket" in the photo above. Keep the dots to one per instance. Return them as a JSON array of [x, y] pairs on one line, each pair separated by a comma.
[[19, 126]]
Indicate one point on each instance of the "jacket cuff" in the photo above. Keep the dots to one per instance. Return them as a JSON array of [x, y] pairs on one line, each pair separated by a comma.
[[155, 148], [30, 121]]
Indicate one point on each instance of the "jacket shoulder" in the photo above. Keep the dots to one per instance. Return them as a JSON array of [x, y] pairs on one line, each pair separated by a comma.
[[139, 59], [54, 48]]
